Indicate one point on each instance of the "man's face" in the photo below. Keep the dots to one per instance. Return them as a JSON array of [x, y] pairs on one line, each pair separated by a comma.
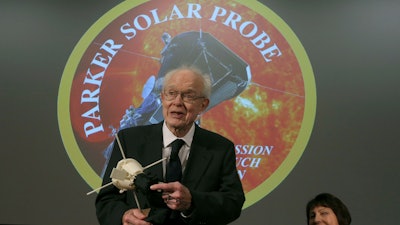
[[322, 215], [182, 110]]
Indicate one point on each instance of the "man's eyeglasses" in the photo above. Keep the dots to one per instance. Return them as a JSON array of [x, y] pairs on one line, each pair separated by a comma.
[[186, 97]]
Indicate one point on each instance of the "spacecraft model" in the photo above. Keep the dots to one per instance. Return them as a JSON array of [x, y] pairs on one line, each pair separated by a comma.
[[124, 175]]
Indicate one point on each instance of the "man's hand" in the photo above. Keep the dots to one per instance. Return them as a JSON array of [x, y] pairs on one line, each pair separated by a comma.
[[134, 217], [175, 195]]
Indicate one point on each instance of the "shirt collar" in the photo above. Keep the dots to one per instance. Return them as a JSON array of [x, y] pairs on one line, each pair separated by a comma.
[[169, 137]]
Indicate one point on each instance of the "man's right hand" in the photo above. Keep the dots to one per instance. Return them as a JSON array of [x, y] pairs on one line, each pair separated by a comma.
[[134, 217]]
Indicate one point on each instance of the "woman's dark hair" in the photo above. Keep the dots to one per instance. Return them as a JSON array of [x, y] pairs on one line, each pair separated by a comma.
[[330, 201]]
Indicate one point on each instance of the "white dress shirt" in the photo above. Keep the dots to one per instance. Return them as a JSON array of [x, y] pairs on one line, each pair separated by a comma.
[[168, 138]]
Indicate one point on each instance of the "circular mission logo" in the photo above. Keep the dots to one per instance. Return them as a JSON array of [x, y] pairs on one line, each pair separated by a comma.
[[263, 89]]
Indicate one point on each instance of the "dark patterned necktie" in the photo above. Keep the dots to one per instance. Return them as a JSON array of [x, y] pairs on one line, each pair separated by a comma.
[[174, 167]]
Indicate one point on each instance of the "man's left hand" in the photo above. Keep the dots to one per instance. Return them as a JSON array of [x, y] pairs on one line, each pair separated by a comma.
[[175, 195]]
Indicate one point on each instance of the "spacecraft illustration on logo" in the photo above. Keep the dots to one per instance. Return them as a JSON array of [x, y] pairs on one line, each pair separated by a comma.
[[229, 75]]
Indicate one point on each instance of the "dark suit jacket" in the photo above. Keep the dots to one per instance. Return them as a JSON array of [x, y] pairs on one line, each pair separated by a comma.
[[210, 175]]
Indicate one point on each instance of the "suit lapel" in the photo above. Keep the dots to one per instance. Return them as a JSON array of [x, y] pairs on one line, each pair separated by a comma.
[[152, 152], [198, 161]]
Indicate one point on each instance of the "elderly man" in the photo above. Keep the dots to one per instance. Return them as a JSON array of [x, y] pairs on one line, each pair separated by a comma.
[[198, 184]]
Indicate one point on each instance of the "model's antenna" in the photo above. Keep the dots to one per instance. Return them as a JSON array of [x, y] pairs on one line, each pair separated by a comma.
[[154, 163], [119, 144], [99, 188]]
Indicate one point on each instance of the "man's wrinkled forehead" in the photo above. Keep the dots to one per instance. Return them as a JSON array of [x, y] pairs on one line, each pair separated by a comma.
[[180, 80]]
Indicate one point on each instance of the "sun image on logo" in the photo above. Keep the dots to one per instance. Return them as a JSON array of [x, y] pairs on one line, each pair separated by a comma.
[[263, 90]]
